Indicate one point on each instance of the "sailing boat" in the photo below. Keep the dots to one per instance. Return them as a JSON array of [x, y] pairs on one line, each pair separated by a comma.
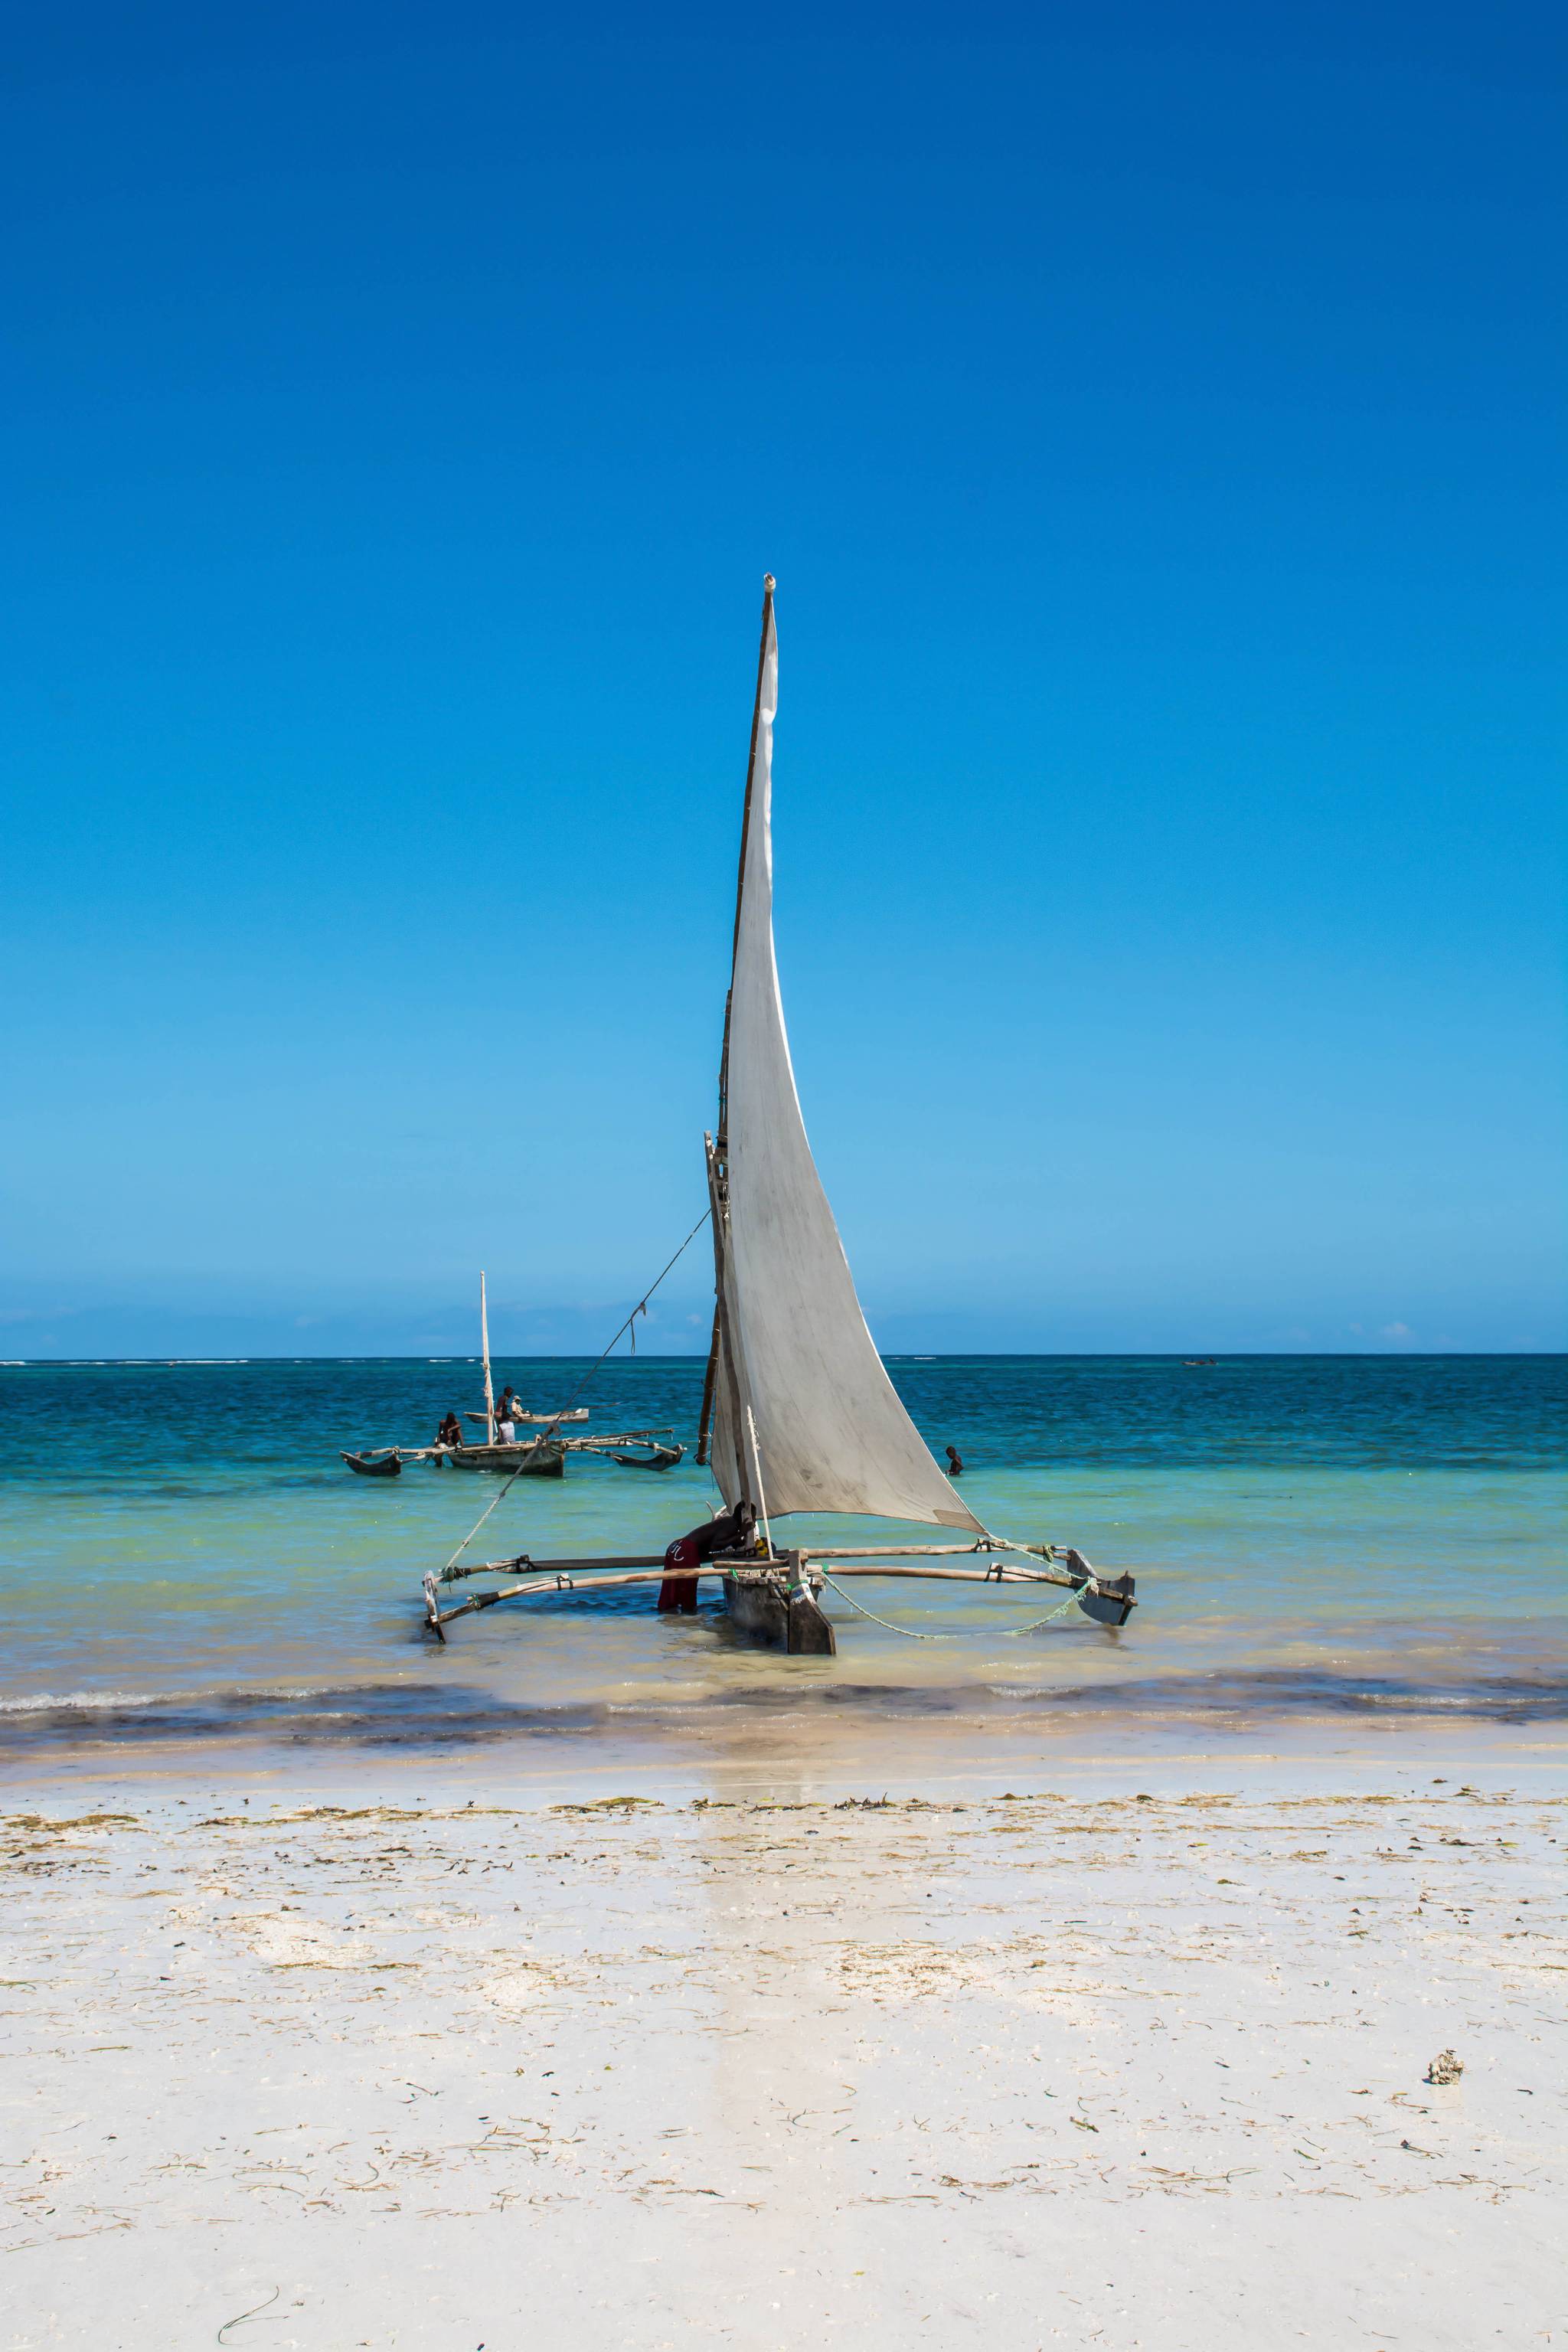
[[534, 1457], [798, 1412]]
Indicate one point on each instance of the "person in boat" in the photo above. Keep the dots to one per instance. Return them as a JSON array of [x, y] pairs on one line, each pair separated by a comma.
[[450, 1431], [954, 1463], [731, 1532], [506, 1409]]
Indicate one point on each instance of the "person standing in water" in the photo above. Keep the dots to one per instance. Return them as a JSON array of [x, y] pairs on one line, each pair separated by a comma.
[[688, 1553], [954, 1463]]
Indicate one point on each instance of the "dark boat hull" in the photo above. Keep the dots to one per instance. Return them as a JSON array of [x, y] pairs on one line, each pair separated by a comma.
[[540, 1458], [386, 1466]]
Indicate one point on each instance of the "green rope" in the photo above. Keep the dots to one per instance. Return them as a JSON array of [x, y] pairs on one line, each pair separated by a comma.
[[966, 1634]]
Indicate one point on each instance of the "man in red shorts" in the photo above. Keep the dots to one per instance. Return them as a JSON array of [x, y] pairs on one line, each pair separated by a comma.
[[730, 1533]]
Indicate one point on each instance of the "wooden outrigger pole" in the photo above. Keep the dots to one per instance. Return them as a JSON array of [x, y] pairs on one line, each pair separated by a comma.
[[1101, 1599]]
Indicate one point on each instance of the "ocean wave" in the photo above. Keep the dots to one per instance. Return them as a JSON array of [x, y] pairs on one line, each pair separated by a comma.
[[90, 1702], [394, 1716], [44, 1701]]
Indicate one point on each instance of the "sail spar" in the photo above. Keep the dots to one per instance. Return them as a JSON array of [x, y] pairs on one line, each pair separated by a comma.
[[806, 1417]]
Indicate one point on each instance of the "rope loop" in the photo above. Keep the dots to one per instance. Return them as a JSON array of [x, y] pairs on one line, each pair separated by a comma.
[[966, 1633]]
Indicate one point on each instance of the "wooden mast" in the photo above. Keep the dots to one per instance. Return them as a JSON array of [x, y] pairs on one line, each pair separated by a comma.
[[723, 1357], [705, 1420], [485, 1350], [717, 1148]]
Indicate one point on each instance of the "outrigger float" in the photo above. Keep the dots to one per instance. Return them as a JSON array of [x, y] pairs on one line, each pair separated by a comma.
[[798, 1412]]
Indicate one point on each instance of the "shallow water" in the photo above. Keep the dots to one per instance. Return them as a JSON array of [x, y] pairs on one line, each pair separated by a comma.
[[189, 1559]]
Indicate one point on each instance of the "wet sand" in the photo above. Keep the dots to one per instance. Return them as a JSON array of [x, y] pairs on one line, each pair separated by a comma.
[[1136, 2063]]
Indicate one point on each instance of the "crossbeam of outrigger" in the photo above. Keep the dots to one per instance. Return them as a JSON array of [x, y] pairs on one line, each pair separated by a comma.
[[1109, 1600]]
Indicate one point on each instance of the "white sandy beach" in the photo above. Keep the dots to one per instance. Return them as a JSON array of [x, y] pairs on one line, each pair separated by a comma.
[[980, 2070]]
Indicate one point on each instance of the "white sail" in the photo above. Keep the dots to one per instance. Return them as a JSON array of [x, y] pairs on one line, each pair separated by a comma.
[[825, 1430]]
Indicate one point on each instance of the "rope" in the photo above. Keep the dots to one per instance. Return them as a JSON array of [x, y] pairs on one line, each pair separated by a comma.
[[640, 1308], [969, 1634]]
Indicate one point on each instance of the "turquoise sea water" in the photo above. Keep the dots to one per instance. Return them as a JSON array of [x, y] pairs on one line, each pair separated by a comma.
[[187, 1556]]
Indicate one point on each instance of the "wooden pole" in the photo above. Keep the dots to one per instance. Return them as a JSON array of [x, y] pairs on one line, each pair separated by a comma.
[[565, 1584], [521, 1561], [794, 1590], [705, 1422], [924, 1551], [725, 1567], [485, 1350], [719, 1208], [848, 1563], [957, 1575], [715, 1220], [757, 1473], [1048, 1573]]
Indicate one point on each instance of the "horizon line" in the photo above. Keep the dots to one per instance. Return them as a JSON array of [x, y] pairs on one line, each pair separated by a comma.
[[899, 1356]]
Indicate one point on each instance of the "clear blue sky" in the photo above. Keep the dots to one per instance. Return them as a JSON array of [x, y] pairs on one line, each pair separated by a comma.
[[1150, 414]]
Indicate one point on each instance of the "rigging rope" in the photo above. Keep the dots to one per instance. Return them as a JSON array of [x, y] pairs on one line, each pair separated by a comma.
[[546, 1434], [966, 1634]]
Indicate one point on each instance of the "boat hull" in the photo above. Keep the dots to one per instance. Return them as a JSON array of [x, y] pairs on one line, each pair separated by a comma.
[[540, 1458], [778, 1605], [387, 1466]]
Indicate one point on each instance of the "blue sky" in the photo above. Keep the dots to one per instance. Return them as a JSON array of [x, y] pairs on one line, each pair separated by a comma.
[[1151, 418]]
